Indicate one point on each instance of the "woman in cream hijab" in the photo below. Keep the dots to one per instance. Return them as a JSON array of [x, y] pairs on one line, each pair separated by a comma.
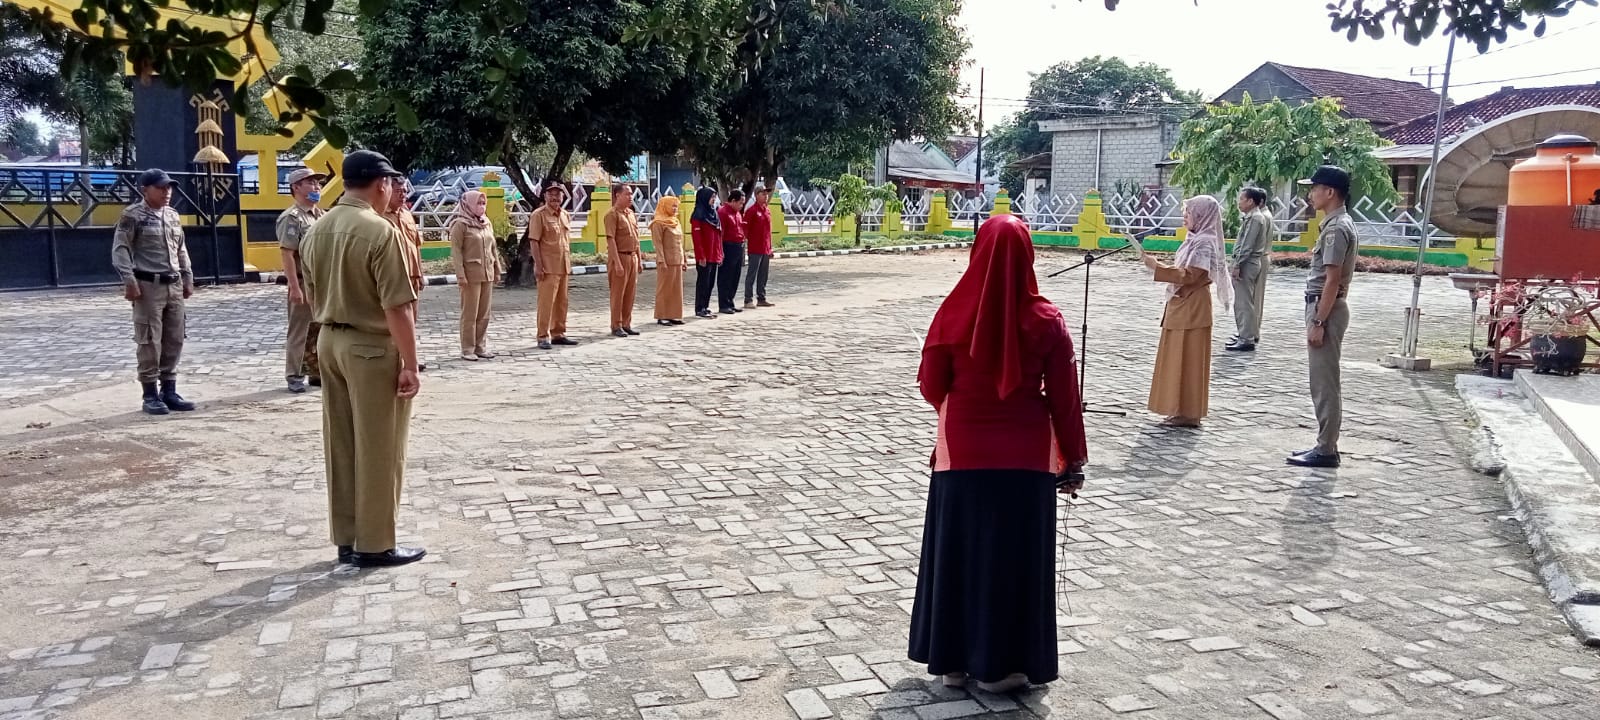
[[477, 262], [667, 237], [1180, 388]]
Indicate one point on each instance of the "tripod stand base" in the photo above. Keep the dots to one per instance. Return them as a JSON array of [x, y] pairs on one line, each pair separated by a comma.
[[1118, 413]]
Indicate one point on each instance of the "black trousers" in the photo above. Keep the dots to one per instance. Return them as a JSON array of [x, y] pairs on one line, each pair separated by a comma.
[[728, 276], [705, 280]]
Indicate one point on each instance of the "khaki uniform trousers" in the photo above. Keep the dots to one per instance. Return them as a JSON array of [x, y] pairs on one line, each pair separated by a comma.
[[300, 347], [158, 329], [1327, 397], [624, 278], [364, 429], [476, 297], [552, 320], [1249, 291]]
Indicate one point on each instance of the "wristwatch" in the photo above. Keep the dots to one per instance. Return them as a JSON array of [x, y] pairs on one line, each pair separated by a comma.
[[1318, 323]]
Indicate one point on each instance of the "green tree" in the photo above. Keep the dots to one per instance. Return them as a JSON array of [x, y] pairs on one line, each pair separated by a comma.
[[28, 75], [577, 87], [1272, 144], [26, 137], [840, 82], [1084, 88], [853, 197], [181, 54]]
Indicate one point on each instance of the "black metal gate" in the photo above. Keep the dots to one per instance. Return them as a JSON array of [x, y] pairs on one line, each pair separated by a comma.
[[56, 224]]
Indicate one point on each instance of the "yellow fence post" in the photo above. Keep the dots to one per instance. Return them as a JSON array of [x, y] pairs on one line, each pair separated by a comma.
[[938, 214], [891, 224], [686, 217], [1308, 238], [1002, 203], [1091, 225], [496, 197], [780, 226], [594, 230], [844, 225]]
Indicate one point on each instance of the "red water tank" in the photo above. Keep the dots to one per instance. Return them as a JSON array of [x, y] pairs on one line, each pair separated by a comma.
[[1564, 171]]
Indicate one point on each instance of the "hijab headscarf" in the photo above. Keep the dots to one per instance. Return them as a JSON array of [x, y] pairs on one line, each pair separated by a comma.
[[472, 210], [996, 306], [1202, 249], [666, 214], [703, 210]]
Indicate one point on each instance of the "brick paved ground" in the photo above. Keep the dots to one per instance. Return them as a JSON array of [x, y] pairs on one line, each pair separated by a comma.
[[722, 521]]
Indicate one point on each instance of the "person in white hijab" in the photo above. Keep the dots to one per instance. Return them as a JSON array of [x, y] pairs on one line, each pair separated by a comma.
[[1180, 387]]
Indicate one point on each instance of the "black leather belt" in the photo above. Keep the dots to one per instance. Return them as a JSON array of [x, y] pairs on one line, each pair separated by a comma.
[[1314, 297], [339, 326], [163, 278], [627, 252]]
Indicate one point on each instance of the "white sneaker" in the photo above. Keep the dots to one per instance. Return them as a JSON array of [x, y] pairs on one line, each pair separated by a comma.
[[955, 679]]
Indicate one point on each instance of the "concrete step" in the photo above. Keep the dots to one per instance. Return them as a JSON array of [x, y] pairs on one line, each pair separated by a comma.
[[1571, 405], [1552, 493]]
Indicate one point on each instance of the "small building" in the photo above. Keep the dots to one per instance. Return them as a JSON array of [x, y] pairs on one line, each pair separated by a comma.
[[1103, 152], [923, 165], [1408, 157], [1382, 102]]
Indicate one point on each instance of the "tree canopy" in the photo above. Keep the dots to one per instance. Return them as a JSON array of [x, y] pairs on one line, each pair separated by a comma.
[[25, 136], [102, 32], [1083, 88], [1272, 144]]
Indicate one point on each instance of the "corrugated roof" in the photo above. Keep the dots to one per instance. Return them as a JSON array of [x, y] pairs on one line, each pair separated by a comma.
[[1419, 130], [1381, 101]]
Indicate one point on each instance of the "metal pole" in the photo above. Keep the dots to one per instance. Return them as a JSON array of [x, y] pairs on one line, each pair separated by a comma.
[[977, 210], [1408, 342]]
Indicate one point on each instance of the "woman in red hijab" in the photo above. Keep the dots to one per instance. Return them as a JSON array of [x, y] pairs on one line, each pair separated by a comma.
[[999, 368]]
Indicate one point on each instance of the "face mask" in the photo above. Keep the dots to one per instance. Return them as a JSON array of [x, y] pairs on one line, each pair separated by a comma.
[[314, 196]]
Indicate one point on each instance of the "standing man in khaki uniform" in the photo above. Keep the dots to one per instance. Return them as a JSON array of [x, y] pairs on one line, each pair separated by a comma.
[[400, 216], [623, 260], [149, 252], [1251, 261], [1333, 262], [300, 347], [548, 233], [361, 292]]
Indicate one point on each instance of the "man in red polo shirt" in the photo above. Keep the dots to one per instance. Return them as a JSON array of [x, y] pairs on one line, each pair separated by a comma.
[[731, 216], [758, 233]]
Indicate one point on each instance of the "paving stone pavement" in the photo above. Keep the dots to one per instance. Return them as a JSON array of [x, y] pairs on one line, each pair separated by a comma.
[[723, 521]]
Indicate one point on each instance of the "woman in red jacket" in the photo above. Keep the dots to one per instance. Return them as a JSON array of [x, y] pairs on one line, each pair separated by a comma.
[[707, 232], [998, 366]]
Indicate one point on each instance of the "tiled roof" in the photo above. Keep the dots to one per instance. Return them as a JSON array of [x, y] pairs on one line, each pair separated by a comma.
[[1379, 100], [1490, 108]]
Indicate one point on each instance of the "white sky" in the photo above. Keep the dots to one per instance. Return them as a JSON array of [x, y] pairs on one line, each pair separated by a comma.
[[1211, 44]]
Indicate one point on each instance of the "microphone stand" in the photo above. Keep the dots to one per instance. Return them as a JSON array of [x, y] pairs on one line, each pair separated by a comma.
[[1089, 259]]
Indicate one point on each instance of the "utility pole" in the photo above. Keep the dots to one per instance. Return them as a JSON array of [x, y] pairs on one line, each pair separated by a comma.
[[1425, 70], [977, 210]]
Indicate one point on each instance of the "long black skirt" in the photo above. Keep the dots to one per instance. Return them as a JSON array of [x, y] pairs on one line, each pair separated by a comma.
[[986, 601]]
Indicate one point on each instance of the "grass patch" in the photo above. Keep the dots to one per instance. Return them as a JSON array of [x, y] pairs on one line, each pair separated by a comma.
[[829, 241], [1364, 264]]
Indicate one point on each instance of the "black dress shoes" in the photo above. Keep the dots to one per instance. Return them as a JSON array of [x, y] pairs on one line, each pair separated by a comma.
[[388, 558], [1314, 459], [563, 341], [347, 554], [1236, 346]]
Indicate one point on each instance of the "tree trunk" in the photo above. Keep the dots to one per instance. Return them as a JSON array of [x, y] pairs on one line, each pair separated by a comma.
[[519, 271], [563, 158], [83, 141]]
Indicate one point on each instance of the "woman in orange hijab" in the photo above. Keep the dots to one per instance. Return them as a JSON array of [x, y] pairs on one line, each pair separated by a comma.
[[667, 238], [999, 368]]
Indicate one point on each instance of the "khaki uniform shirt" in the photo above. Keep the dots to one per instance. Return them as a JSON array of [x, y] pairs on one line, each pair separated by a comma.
[[1336, 245], [669, 245], [622, 228], [150, 240], [474, 252], [403, 221], [1255, 239], [355, 267], [292, 227], [552, 246]]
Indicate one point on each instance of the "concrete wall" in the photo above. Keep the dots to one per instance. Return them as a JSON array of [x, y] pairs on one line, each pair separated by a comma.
[[1128, 149]]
